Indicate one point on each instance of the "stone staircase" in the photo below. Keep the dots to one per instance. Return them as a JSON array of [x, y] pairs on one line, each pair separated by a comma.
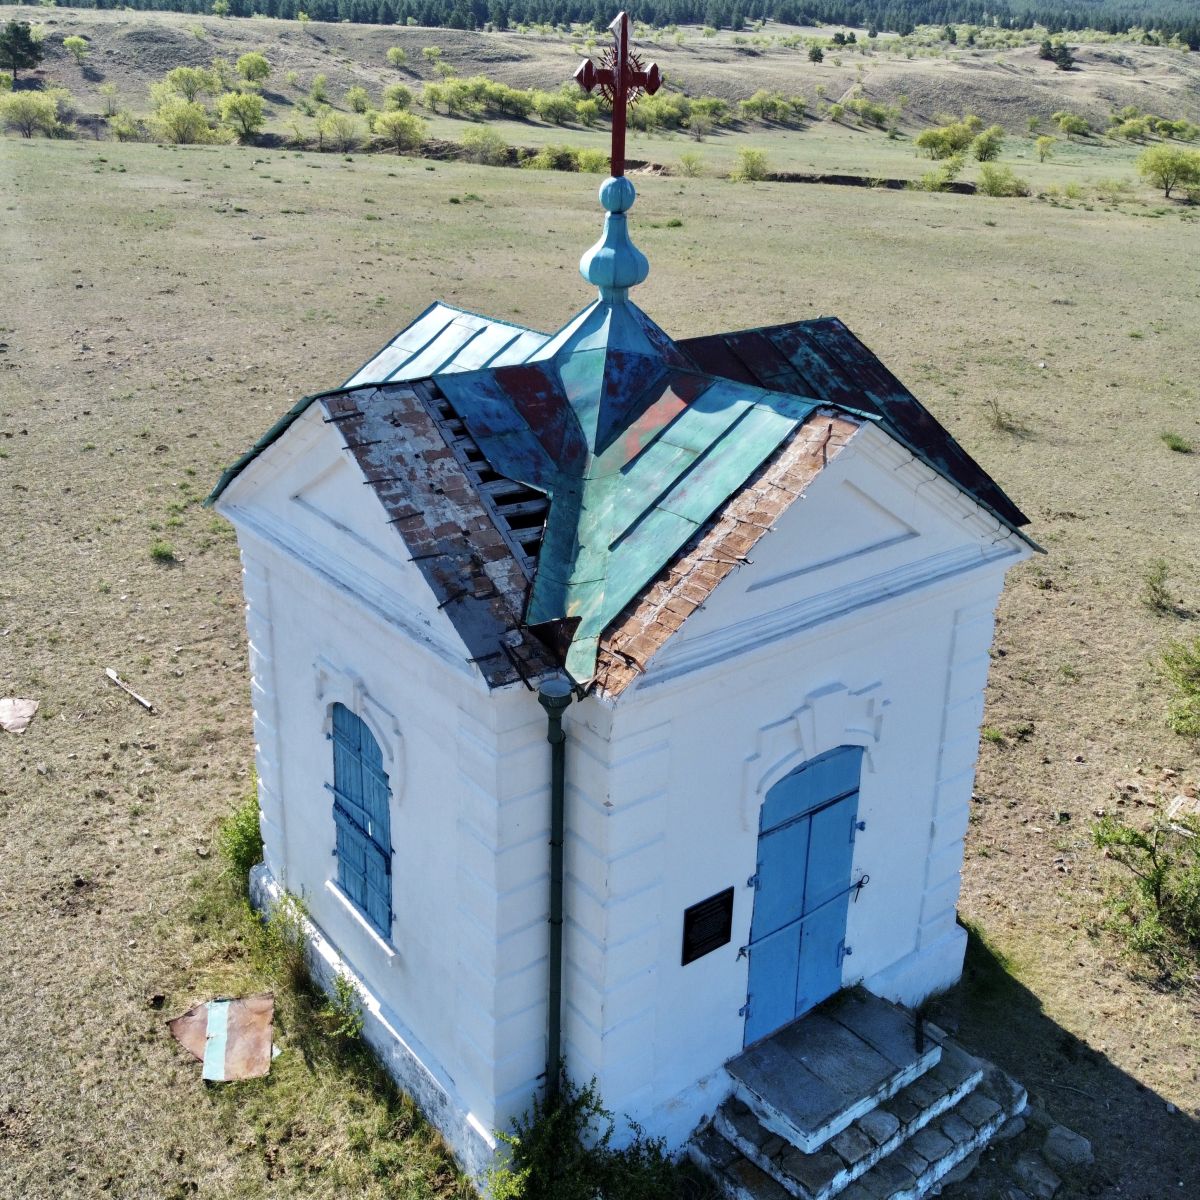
[[853, 1101]]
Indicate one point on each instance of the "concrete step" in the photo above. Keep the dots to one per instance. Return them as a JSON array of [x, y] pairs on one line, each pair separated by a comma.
[[857, 1148], [811, 1080], [906, 1170]]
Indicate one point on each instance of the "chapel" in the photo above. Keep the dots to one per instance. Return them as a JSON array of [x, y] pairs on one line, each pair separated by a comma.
[[616, 701]]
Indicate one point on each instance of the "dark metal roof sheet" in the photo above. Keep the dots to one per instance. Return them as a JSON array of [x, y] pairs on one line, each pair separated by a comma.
[[823, 358]]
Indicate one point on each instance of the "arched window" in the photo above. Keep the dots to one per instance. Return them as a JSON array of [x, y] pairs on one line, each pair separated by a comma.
[[361, 801]]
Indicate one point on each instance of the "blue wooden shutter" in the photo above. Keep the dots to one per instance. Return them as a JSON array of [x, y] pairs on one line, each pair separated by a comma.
[[361, 814]]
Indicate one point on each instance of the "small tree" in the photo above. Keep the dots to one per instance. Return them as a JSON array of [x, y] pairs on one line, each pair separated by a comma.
[[220, 8], [986, 146], [108, 93], [28, 112], [357, 99], [318, 93], [243, 112], [1072, 124], [1045, 147], [1064, 60], [397, 98], [189, 82], [816, 54], [77, 48], [1033, 123], [254, 68], [397, 56], [1168, 167], [18, 47]]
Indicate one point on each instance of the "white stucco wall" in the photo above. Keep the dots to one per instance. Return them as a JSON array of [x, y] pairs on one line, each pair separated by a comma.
[[865, 619]]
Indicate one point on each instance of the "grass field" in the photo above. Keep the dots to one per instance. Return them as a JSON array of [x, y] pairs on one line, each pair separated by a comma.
[[163, 306]]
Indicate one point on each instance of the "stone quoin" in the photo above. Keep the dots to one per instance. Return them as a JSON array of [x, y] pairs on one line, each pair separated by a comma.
[[753, 581]]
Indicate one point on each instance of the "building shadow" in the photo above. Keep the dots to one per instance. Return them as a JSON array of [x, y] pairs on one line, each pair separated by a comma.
[[1145, 1148]]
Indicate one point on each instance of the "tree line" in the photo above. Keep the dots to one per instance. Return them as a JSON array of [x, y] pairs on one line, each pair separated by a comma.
[[1167, 18]]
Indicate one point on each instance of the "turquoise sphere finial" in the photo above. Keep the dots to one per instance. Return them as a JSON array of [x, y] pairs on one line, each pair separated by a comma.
[[614, 264]]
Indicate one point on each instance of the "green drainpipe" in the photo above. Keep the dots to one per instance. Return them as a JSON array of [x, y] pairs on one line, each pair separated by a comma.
[[554, 694]]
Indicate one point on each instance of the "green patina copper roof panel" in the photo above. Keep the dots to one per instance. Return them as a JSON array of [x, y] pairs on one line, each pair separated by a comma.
[[635, 448]]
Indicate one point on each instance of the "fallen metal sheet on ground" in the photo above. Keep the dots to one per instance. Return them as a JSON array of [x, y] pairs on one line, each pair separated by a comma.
[[232, 1038], [16, 714]]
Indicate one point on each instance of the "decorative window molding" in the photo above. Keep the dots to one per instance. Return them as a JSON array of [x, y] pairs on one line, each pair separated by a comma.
[[831, 716], [336, 685]]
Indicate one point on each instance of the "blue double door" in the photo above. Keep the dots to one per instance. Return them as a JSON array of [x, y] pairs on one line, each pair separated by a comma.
[[802, 890]]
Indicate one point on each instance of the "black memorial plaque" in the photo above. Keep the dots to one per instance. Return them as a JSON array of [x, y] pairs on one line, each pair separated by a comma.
[[707, 925]]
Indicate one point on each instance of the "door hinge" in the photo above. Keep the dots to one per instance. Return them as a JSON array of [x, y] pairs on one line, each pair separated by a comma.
[[752, 882], [844, 952], [743, 952], [744, 1011], [856, 827]]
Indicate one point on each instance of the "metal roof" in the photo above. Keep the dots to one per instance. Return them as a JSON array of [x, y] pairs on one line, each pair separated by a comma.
[[542, 483]]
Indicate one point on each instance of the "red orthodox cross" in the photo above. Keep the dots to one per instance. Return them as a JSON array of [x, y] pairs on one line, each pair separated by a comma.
[[621, 79]]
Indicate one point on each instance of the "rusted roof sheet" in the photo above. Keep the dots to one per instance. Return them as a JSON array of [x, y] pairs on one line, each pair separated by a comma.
[[823, 358], [722, 546], [439, 510]]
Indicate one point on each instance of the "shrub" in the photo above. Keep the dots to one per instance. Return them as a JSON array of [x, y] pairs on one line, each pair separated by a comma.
[[397, 56], [593, 162], [1001, 181], [162, 552], [562, 1150], [358, 99], [176, 120], [239, 840], [587, 111], [397, 98], [816, 54], [402, 131], [950, 138], [343, 1010], [125, 127], [1157, 911], [1180, 663], [27, 113], [318, 92], [292, 79], [6, 81], [690, 164], [751, 165], [940, 178], [77, 48], [253, 67], [1174, 442], [1155, 594], [243, 111], [553, 158], [484, 145], [1045, 147], [338, 131]]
